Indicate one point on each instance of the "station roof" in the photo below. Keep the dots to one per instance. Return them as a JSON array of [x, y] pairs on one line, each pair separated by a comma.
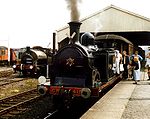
[[113, 19], [111, 37]]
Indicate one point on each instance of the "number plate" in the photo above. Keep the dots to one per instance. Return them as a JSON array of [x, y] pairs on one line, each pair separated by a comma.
[[54, 90]]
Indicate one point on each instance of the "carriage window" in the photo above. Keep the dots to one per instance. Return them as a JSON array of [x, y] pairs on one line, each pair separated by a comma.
[[2, 52]]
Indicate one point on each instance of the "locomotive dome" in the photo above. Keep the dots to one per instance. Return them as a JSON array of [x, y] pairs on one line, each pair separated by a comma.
[[87, 39]]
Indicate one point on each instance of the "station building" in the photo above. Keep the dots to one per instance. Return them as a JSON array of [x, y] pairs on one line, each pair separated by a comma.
[[113, 20]]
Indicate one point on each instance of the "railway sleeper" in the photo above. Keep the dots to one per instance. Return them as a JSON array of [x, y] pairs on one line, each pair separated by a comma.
[[11, 108], [13, 113], [5, 105], [6, 116], [18, 112], [23, 109], [10, 102]]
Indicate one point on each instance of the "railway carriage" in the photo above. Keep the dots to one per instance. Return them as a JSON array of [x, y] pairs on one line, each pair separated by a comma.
[[7, 56]]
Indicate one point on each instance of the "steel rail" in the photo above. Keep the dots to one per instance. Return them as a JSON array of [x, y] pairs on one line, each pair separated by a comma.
[[7, 82], [20, 100]]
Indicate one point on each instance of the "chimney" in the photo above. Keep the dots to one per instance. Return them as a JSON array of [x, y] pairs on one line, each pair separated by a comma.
[[74, 31], [28, 48]]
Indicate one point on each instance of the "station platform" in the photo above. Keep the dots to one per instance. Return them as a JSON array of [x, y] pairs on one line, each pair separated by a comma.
[[124, 101]]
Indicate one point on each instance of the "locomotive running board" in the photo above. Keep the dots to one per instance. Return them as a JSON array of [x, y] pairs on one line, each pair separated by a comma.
[[110, 82]]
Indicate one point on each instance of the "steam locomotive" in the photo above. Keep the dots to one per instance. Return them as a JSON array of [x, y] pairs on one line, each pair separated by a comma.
[[82, 67], [34, 61]]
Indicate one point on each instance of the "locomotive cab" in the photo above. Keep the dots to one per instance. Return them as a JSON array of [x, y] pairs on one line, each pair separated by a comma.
[[104, 63]]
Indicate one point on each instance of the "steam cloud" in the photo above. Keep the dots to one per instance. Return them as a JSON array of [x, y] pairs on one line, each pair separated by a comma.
[[73, 7]]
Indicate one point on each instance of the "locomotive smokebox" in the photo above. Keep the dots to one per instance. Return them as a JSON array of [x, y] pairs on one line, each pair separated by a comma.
[[74, 31]]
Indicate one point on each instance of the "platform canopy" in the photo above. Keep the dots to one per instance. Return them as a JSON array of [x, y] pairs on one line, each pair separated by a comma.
[[112, 37], [113, 19]]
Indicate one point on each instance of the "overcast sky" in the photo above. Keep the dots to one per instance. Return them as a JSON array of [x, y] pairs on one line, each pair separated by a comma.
[[32, 22]]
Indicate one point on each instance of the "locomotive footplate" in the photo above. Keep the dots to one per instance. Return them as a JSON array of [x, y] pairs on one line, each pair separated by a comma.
[[74, 91]]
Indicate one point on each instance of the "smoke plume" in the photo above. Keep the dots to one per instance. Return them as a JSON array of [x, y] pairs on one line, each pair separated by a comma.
[[73, 7]]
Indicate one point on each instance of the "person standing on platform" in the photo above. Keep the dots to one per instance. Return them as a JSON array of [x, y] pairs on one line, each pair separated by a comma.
[[118, 58], [136, 59], [147, 65], [125, 62]]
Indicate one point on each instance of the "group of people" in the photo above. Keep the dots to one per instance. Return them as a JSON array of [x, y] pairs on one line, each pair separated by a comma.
[[133, 61]]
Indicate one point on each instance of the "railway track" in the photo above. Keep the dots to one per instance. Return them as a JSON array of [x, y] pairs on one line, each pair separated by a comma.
[[51, 115], [79, 107], [20, 104], [17, 104], [7, 81]]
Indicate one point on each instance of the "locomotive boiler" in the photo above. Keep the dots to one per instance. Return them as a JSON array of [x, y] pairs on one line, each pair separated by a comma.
[[79, 68]]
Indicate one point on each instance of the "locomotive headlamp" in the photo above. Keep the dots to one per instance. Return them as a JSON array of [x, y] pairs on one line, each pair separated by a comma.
[[31, 67], [14, 66], [42, 80]]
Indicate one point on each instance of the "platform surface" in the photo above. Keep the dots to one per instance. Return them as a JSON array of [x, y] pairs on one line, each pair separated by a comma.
[[125, 101]]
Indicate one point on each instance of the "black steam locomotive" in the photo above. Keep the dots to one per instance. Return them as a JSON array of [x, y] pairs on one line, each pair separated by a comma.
[[81, 67], [34, 61]]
